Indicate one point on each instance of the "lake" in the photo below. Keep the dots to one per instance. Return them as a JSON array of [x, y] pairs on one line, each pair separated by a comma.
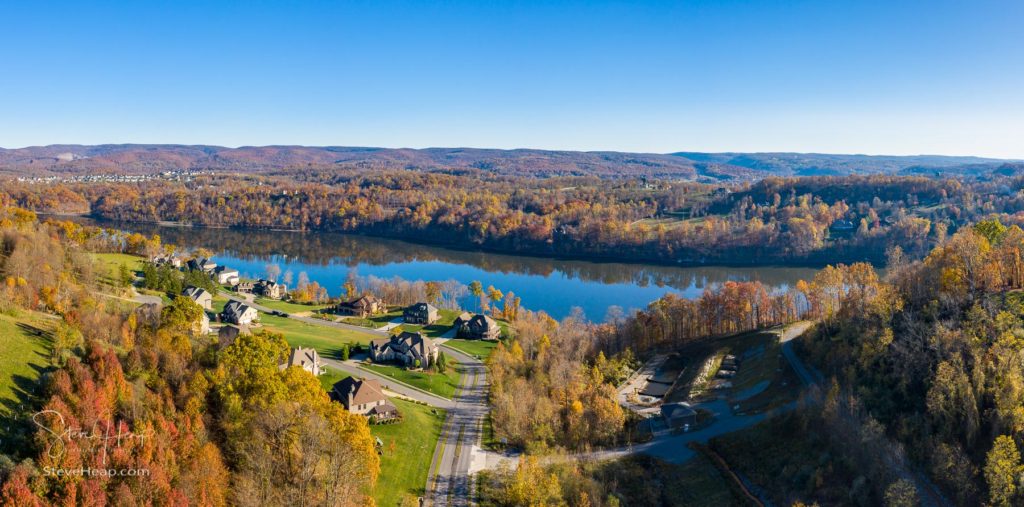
[[553, 285]]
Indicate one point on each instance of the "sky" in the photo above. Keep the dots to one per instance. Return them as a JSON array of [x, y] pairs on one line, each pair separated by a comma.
[[832, 76]]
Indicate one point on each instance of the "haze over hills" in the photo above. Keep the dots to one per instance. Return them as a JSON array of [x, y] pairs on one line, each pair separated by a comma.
[[146, 158]]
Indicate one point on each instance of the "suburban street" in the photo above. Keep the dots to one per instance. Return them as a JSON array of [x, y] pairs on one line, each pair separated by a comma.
[[458, 449]]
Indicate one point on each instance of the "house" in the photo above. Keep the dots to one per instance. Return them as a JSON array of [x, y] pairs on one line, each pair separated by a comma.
[[236, 312], [842, 227], [229, 332], [364, 397], [270, 289], [679, 415], [307, 359], [225, 275], [246, 287], [406, 348], [201, 264], [362, 307], [167, 260], [202, 297], [420, 313], [477, 327]]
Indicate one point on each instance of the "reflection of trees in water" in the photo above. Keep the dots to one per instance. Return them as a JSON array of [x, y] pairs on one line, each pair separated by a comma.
[[332, 248]]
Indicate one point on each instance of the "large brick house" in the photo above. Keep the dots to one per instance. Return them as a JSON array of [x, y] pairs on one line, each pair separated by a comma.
[[364, 397], [406, 348], [364, 306], [477, 327]]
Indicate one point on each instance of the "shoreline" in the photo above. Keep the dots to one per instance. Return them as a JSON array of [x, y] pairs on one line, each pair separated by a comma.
[[596, 259]]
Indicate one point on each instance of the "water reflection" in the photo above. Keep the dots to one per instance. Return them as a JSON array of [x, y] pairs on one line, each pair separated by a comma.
[[553, 285]]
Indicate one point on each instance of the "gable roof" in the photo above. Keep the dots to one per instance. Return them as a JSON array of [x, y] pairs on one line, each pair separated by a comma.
[[302, 357], [421, 308], [195, 293], [363, 391], [236, 308]]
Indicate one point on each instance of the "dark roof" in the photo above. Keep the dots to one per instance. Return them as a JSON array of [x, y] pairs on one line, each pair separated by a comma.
[[421, 307], [677, 410], [655, 389]]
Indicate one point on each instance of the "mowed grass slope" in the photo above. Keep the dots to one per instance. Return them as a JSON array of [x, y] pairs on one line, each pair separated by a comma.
[[109, 264], [441, 384], [24, 356], [326, 340], [476, 348], [407, 452]]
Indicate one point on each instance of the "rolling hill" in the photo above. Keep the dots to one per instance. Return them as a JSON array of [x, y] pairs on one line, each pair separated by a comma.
[[143, 158]]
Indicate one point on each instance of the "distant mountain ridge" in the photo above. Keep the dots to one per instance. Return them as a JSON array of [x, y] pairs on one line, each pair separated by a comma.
[[147, 158]]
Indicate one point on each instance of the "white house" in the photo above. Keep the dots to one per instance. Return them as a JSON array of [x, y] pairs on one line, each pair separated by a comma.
[[238, 313], [307, 359]]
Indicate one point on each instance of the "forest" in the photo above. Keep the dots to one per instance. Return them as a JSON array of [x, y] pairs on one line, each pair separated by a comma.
[[807, 221], [147, 394], [924, 360]]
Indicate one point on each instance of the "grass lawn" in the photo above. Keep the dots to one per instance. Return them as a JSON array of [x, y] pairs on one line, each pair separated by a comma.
[[437, 383], [285, 306], [442, 326], [331, 376], [408, 449], [479, 348], [24, 355], [108, 265], [326, 340]]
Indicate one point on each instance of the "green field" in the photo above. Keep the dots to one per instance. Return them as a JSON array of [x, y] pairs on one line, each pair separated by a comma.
[[331, 376], [477, 348], [443, 385], [24, 355], [408, 449], [108, 264], [442, 326], [326, 340], [285, 306]]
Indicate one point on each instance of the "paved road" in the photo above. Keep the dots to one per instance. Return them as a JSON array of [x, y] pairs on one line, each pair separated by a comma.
[[458, 450], [808, 377]]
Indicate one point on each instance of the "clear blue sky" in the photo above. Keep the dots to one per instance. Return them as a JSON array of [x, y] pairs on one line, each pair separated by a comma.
[[895, 77]]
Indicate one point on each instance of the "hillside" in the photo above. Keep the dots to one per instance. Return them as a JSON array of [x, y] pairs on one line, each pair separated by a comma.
[[139, 158]]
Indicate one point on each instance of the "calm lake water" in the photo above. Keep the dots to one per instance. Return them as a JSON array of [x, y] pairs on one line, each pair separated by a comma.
[[553, 285]]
